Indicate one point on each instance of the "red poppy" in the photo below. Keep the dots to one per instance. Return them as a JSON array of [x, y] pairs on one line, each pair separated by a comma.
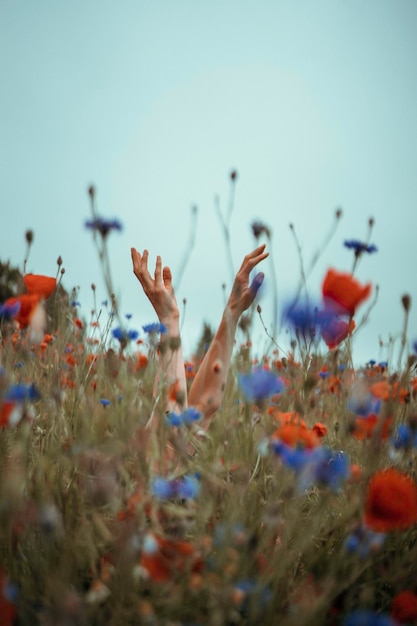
[[365, 426], [28, 305], [404, 607], [170, 557], [319, 429], [344, 291], [336, 332], [297, 434], [43, 286], [391, 501]]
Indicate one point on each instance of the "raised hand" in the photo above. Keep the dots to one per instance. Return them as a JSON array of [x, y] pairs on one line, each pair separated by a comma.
[[243, 294], [159, 289]]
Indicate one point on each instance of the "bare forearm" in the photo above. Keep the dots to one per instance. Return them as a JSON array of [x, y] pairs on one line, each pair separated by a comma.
[[171, 372], [207, 390]]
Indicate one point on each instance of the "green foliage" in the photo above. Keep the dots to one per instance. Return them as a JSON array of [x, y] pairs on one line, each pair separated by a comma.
[[11, 281]]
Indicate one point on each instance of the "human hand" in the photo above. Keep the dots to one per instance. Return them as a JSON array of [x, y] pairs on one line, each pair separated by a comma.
[[159, 289], [243, 294]]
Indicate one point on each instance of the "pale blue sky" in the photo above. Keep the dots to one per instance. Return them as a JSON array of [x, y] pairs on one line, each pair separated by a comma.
[[155, 102]]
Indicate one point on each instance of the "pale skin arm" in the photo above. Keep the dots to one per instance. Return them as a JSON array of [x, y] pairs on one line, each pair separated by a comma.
[[206, 393], [160, 293]]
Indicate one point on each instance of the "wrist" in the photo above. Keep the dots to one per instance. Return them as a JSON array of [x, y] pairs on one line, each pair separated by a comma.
[[172, 325], [231, 315]]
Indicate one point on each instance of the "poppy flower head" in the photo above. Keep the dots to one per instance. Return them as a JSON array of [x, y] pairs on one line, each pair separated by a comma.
[[334, 333], [391, 501], [28, 304], [42, 286], [297, 435], [344, 292], [404, 607]]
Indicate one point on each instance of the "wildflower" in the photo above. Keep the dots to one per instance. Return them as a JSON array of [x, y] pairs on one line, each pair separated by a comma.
[[43, 286], [364, 427], [319, 429], [404, 437], [170, 557], [103, 226], [154, 328], [359, 246], [186, 417], [123, 335], [367, 618], [22, 392], [188, 487], [344, 292], [28, 303], [325, 467], [293, 457], [105, 402], [336, 331], [184, 488], [11, 413], [8, 311], [404, 607], [260, 384], [303, 317], [294, 435], [363, 404], [12, 408], [391, 501], [141, 361], [163, 488], [363, 541]]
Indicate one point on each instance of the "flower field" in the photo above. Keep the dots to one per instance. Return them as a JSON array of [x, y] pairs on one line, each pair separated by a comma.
[[299, 506]]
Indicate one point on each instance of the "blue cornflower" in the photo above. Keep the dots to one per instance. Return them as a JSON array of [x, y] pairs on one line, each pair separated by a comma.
[[123, 335], [186, 417], [325, 467], [302, 317], [363, 540], [9, 311], [154, 328], [185, 488], [163, 488], [364, 405], [295, 458], [103, 226], [188, 487], [362, 617], [22, 392], [128, 316], [105, 402], [404, 437], [359, 246], [260, 384]]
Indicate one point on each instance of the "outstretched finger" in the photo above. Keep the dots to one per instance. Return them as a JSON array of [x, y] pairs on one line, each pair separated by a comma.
[[158, 270], [252, 259], [167, 278]]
